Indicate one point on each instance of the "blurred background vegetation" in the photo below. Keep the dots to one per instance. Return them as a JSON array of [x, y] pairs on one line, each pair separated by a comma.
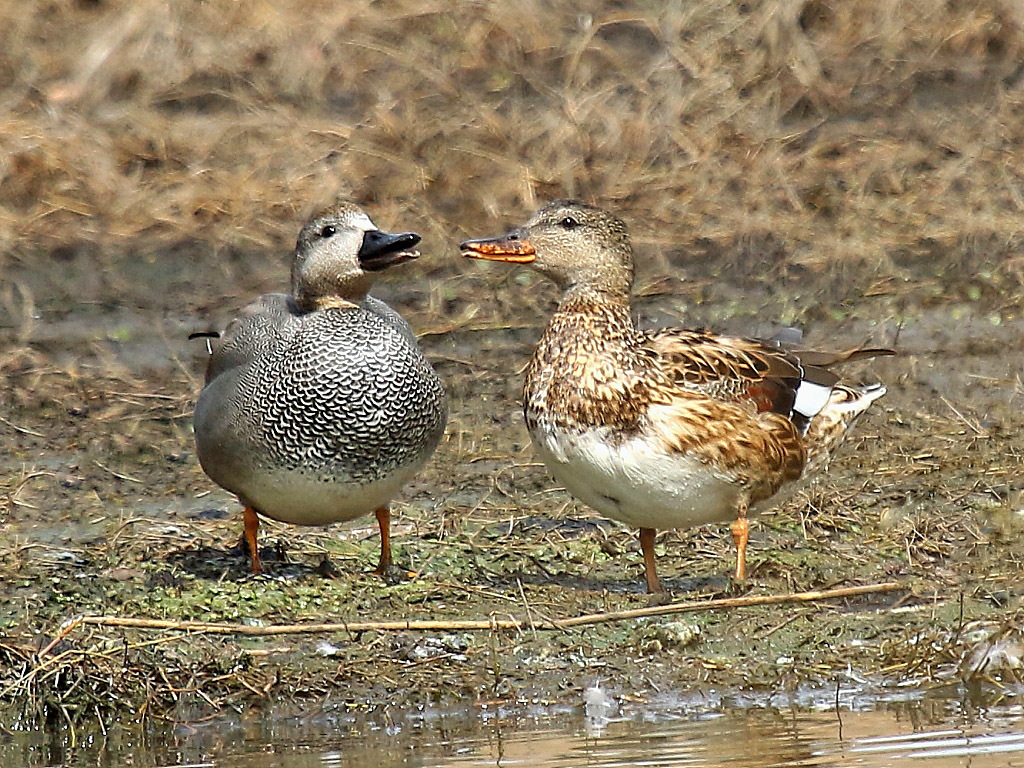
[[854, 139]]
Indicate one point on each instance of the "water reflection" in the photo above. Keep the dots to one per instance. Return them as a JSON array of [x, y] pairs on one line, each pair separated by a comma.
[[671, 732]]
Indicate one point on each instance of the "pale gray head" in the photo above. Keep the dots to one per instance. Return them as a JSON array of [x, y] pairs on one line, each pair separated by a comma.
[[337, 252], [573, 243]]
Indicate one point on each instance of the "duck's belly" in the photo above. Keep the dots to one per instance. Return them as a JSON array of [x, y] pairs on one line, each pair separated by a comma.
[[304, 498], [635, 482]]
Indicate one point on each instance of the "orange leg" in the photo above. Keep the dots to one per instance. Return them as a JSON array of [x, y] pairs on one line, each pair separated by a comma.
[[252, 525], [740, 534], [384, 521], [647, 545]]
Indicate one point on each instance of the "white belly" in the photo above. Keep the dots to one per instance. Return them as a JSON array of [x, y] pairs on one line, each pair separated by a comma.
[[635, 482], [302, 499]]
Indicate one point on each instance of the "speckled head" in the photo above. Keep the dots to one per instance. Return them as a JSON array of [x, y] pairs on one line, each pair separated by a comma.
[[338, 250], [573, 243]]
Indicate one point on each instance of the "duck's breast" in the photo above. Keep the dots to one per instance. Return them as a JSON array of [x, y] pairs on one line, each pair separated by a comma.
[[635, 481], [345, 405]]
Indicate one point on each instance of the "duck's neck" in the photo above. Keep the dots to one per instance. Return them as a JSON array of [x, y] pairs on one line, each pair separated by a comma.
[[589, 331], [585, 367], [596, 311], [310, 297]]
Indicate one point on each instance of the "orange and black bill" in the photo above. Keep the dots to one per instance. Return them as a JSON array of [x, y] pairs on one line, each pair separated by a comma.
[[513, 246]]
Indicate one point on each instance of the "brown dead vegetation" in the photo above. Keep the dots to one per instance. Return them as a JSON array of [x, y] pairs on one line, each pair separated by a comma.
[[847, 131], [853, 167]]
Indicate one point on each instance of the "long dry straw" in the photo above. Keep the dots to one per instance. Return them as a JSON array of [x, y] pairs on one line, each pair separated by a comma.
[[463, 625]]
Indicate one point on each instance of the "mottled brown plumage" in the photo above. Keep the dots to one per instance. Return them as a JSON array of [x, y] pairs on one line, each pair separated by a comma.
[[670, 427]]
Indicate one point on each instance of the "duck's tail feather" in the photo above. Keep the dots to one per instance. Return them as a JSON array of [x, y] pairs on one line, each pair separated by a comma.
[[828, 359], [829, 427]]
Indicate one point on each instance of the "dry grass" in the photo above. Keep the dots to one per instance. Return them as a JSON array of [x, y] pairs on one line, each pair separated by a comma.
[[856, 165], [852, 130]]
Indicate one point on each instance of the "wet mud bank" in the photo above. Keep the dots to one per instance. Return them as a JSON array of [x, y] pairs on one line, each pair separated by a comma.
[[106, 513]]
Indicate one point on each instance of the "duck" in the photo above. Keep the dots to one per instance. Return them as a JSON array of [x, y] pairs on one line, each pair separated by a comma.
[[668, 428], [318, 404]]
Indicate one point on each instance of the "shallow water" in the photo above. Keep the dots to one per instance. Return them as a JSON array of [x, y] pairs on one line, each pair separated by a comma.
[[710, 729]]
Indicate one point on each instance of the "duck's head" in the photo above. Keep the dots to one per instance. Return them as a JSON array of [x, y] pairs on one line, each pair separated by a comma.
[[573, 243], [338, 251]]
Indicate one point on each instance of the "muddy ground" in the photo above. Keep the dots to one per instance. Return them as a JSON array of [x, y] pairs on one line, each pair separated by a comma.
[[108, 513], [770, 182]]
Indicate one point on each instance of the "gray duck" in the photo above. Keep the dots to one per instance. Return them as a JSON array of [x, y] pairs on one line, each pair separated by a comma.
[[319, 405]]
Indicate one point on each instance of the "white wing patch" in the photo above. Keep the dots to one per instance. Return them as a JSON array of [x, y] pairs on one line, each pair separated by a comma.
[[811, 398]]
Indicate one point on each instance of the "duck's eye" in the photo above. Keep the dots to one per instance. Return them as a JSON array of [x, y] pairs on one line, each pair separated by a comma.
[[569, 222], [328, 231]]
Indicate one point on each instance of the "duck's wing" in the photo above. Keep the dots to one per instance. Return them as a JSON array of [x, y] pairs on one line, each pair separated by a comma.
[[762, 376], [260, 326]]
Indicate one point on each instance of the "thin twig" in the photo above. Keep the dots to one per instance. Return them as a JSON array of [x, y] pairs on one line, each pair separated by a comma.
[[977, 430], [147, 395], [526, 605], [432, 625], [116, 474], [66, 629], [23, 430]]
